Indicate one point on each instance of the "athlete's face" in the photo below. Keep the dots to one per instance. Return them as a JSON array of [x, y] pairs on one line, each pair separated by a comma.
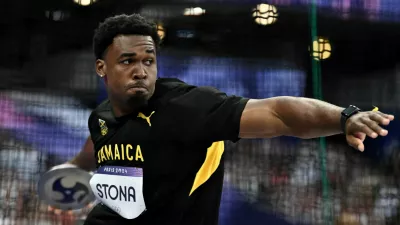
[[129, 68]]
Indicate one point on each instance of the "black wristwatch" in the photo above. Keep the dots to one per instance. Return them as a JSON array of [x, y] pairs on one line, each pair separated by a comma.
[[346, 114]]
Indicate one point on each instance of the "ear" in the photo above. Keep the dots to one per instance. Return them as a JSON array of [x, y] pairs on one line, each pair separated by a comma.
[[101, 67]]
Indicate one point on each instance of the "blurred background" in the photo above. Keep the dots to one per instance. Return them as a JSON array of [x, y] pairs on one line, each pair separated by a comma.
[[342, 51]]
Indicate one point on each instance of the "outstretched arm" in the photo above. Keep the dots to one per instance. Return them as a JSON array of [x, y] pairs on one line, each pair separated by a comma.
[[85, 158], [307, 118]]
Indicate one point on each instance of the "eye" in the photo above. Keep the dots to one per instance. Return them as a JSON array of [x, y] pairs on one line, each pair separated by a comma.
[[126, 61], [148, 62]]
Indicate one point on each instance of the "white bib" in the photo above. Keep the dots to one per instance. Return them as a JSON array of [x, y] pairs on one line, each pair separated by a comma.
[[120, 188]]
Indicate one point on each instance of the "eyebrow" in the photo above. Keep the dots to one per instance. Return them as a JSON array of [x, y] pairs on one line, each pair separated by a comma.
[[133, 54], [127, 55], [150, 51]]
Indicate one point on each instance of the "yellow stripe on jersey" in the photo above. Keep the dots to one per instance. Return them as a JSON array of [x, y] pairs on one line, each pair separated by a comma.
[[210, 165]]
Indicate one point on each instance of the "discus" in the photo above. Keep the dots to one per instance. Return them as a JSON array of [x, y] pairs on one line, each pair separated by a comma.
[[66, 187]]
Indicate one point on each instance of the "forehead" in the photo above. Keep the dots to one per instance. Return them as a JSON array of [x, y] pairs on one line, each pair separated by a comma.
[[131, 43]]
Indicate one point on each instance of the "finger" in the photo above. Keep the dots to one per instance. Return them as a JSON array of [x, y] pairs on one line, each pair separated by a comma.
[[355, 142], [364, 128], [379, 119], [372, 125], [360, 136], [387, 116]]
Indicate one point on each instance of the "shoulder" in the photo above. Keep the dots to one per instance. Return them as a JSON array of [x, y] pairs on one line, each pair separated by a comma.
[[102, 111], [197, 100], [174, 84], [174, 89], [103, 108], [193, 113], [168, 85]]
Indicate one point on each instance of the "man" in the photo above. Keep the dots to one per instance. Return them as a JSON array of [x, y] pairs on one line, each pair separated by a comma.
[[158, 143]]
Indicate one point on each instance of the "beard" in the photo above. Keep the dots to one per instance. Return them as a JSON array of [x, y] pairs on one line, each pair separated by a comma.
[[138, 100], [128, 101]]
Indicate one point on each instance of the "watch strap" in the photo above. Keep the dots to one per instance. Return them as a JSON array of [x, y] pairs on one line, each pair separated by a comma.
[[346, 114]]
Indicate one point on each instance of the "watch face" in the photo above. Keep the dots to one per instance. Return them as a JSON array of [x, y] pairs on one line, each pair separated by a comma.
[[350, 110]]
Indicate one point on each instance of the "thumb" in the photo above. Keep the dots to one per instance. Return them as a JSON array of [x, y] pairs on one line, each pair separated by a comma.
[[64, 165], [355, 142], [360, 136]]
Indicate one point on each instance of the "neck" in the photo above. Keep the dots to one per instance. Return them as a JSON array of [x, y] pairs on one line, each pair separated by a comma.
[[119, 110], [126, 108]]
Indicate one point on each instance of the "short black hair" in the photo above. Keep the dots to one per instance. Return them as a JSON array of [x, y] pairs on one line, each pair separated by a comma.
[[123, 24]]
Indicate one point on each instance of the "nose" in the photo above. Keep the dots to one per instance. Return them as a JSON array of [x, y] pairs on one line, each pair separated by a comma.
[[139, 73], [139, 76]]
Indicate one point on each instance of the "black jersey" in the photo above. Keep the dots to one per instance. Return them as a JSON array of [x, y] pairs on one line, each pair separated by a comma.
[[178, 142]]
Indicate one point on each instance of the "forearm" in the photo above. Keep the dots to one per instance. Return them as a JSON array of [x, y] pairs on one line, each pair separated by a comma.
[[85, 158], [308, 118]]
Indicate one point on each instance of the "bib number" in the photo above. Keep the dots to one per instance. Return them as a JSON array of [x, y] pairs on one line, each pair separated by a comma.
[[121, 189]]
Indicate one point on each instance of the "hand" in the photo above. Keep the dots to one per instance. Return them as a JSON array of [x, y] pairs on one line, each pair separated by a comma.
[[365, 124], [69, 164], [69, 216], [64, 165]]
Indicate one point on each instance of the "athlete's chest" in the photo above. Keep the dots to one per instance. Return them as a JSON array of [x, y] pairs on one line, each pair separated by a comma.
[[136, 142]]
